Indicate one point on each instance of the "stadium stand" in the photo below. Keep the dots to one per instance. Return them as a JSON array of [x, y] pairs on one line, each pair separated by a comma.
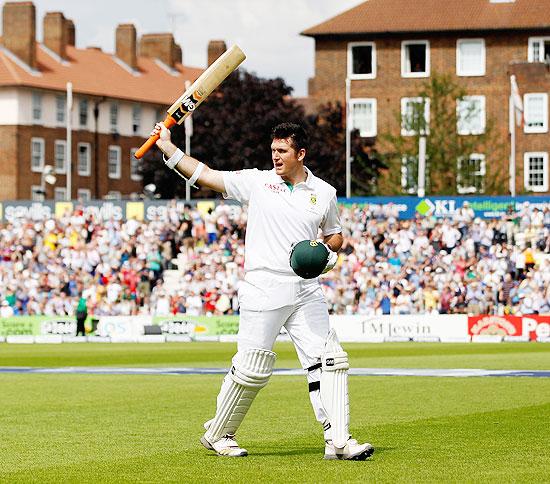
[[192, 264]]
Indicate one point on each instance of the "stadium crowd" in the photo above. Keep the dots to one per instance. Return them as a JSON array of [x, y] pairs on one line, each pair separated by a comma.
[[387, 266]]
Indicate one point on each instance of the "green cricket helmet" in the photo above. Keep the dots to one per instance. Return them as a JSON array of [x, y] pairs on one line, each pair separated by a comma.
[[308, 258]]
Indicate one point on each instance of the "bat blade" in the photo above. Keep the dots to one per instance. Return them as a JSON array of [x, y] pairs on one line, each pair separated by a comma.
[[209, 80]]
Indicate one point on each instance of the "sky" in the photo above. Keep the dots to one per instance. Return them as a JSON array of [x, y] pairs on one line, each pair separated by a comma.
[[268, 31]]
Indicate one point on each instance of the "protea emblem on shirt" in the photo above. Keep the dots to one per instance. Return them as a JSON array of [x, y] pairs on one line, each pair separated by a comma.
[[313, 199]]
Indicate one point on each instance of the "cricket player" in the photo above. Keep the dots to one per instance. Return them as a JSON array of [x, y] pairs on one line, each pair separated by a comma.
[[286, 204]]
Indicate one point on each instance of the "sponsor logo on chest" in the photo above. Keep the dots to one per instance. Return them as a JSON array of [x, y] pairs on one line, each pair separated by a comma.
[[275, 188]]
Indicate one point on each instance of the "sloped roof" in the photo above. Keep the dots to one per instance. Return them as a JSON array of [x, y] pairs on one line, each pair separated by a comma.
[[393, 16], [94, 72]]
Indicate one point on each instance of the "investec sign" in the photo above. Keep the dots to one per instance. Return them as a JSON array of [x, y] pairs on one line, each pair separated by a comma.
[[352, 328]]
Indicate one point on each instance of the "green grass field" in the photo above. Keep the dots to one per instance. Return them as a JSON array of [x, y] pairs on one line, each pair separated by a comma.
[[136, 428]]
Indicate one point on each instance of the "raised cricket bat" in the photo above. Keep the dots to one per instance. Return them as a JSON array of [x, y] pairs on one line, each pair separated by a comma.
[[209, 80]]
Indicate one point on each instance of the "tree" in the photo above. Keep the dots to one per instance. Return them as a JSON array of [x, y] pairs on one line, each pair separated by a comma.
[[453, 160], [232, 131]]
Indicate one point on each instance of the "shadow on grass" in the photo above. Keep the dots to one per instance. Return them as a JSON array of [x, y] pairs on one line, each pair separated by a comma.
[[315, 450]]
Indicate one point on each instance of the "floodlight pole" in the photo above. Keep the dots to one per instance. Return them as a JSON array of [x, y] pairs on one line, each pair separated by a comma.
[[348, 139]]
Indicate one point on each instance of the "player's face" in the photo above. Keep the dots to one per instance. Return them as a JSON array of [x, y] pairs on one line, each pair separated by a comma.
[[286, 160]]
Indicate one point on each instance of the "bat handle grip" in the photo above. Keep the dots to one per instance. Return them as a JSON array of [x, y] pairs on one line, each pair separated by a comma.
[[145, 147]]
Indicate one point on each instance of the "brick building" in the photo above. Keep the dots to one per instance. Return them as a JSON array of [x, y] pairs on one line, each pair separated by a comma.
[[389, 48], [116, 100]]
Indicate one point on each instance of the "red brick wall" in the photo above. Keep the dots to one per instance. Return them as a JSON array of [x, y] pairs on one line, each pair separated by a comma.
[[8, 162], [389, 87], [15, 153]]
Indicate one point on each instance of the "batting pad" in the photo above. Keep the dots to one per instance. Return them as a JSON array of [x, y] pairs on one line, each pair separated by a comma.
[[250, 372], [334, 389]]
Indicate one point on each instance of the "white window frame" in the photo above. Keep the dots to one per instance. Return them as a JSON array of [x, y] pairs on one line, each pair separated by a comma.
[[63, 169], [116, 173], [113, 195], [136, 118], [466, 130], [36, 107], [459, 71], [482, 172], [351, 74], [84, 194], [36, 193], [60, 193], [86, 112], [404, 101], [535, 129], [113, 116], [60, 109], [38, 168], [526, 171], [530, 46], [134, 164], [88, 170], [373, 103], [404, 72]]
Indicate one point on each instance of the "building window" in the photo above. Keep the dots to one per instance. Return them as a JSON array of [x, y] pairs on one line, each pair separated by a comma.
[[361, 60], [114, 162], [60, 156], [60, 107], [135, 173], [470, 57], [113, 195], [535, 171], [84, 159], [84, 194], [409, 174], [415, 58], [471, 174], [535, 112], [415, 115], [113, 117], [160, 114], [37, 154], [36, 106], [539, 49], [363, 116], [60, 193], [37, 195], [83, 113], [136, 118], [470, 115]]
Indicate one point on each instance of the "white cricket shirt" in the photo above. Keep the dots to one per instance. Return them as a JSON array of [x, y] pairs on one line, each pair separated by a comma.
[[279, 216]]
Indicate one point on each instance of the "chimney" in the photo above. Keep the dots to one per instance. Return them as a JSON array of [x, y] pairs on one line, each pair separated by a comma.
[[71, 33], [55, 33], [19, 31], [158, 46], [215, 49], [126, 44], [178, 54]]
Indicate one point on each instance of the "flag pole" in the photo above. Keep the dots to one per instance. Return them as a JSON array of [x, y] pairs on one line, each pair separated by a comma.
[[512, 167], [348, 140], [68, 143], [188, 123]]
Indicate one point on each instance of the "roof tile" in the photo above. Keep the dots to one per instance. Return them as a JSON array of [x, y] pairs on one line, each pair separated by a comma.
[[94, 72], [393, 16]]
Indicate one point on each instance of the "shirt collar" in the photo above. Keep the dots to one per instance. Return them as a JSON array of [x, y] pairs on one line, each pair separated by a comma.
[[308, 182]]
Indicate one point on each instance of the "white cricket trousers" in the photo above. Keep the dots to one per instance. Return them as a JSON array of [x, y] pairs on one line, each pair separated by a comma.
[[307, 322]]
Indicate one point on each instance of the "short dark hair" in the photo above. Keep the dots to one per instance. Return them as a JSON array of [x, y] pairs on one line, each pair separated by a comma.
[[295, 132]]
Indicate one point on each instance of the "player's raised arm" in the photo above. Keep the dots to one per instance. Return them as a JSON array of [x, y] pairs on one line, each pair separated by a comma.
[[187, 166]]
